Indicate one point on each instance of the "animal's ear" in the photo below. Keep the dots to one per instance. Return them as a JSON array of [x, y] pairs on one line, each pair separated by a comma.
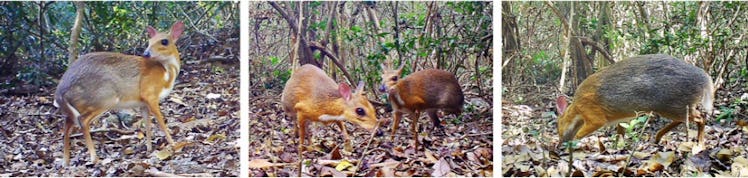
[[561, 104], [151, 31], [345, 90], [402, 64], [360, 87], [176, 30]]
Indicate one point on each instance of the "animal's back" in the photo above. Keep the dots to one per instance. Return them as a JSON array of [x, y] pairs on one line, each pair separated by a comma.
[[98, 78], [308, 83], [659, 83], [438, 88]]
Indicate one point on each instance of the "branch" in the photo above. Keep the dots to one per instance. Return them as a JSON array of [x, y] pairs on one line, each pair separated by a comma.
[[290, 20], [560, 16], [120, 131], [192, 23], [596, 46], [326, 52]]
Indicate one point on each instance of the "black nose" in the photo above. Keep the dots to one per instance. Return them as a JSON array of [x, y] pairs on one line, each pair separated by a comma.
[[382, 88], [147, 54]]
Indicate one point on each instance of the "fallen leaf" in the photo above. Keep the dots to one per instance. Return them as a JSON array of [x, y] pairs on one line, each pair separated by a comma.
[[441, 168], [328, 171], [386, 172], [701, 161], [177, 99], [128, 151], [335, 154], [260, 163], [344, 164], [739, 167], [216, 137], [212, 96], [664, 158], [685, 146], [388, 163], [140, 136], [164, 154], [641, 155], [430, 157], [724, 154], [179, 145]]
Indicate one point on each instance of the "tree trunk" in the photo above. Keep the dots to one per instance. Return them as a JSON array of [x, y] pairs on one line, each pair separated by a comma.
[[305, 55], [75, 32], [511, 41]]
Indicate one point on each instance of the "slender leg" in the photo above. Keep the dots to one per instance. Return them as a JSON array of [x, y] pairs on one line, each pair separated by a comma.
[[348, 146], [435, 120], [86, 119], [148, 128], [666, 129], [414, 128], [396, 122], [301, 126], [67, 128], [701, 126], [620, 130], [154, 108], [700, 123]]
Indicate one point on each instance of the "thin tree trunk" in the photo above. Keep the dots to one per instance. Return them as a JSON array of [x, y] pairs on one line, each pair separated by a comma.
[[75, 32]]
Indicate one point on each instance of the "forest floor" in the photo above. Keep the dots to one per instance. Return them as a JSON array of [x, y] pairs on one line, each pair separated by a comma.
[[530, 135], [202, 113], [466, 148]]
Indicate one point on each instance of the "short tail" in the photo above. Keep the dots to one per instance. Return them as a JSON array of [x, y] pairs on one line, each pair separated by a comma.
[[67, 109], [707, 101]]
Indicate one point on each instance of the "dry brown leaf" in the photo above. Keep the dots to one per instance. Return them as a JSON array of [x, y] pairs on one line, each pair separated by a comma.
[[430, 159], [389, 163], [441, 168], [724, 154], [216, 137], [386, 172], [260, 163], [739, 167], [664, 158], [180, 145], [164, 153], [640, 155]]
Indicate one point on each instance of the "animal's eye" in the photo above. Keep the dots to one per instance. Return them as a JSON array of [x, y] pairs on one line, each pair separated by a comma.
[[360, 112], [165, 42], [394, 78]]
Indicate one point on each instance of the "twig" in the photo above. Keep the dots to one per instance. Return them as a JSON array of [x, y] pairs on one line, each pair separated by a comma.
[[641, 132], [156, 173], [366, 148], [571, 159], [120, 131], [205, 174], [477, 134]]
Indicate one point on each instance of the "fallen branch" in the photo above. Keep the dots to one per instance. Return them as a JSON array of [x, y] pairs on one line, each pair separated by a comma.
[[473, 135], [366, 149], [156, 173], [120, 131]]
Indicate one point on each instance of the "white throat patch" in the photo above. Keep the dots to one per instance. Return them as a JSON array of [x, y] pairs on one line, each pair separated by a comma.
[[172, 71], [326, 117]]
